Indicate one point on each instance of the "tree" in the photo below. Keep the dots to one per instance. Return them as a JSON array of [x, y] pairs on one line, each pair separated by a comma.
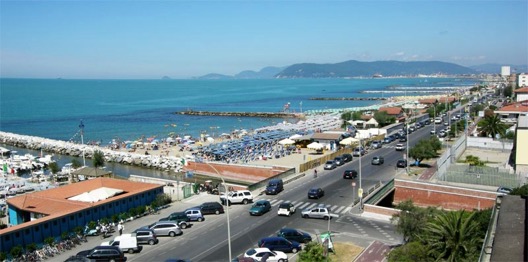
[[474, 160], [383, 118], [76, 163], [425, 149], [491, 125], [410, 252], [520, 191], [452, 236], [54, 167], [313, 251], [98, 159], [412, 220]]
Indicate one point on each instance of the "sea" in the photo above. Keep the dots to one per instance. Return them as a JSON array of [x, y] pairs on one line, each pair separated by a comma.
[[132, 109]]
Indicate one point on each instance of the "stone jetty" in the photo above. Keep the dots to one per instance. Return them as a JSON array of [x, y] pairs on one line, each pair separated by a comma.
[[76, 150], [242, 114], [349, 98]]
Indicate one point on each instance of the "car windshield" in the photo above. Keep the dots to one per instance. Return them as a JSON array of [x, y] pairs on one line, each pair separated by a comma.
[[251, 252], [284, 205], [313, 190]]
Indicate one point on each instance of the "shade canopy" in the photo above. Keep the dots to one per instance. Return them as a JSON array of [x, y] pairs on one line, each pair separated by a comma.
[[315, 146], [348, 141], [286, 141]]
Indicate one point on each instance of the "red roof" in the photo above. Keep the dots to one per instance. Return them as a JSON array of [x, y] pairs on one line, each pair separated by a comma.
[[515, 107], [393, 111], [521, 90]]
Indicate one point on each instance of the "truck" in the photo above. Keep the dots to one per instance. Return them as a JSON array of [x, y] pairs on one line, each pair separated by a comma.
[[237, 197], [125, 242]]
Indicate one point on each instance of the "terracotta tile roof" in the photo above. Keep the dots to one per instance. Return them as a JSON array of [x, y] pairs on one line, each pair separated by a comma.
[[521, 90], [514, 107], [393, 111]]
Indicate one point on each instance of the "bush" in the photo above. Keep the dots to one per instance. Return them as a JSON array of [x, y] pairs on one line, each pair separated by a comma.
[[65, 235], [141, 210], [124, 216], [17, 251], [3, 256], [133, 212], [161, 200], [92, 224], [31, 247], [78, 230], [49, 240]]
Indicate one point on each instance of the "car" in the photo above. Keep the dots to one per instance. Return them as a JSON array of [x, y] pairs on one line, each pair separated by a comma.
[[315, 192], [194, 214], [180, 218], [446, 123], [316, 212], [401, 163], [329, 165], [433, 132], [77, 259], [400, 147], [294, 235], [438, 120], [260, 208], [146, 236], [387, 140], [347, 157], [376, 144], [442, 134], [403, 139], [103, 253], [265, 254], [350, 174], [165, 228], [377, 160], [286, 209], [412, 129], [504, 190], [275, 186], [339, 161], [125, 242], [211, 208], [237, 197], [359, 151], [279, 244], [242, 258]]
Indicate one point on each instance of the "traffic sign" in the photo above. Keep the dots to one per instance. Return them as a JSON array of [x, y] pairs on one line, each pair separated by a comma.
[[353, 184], [360, 192]]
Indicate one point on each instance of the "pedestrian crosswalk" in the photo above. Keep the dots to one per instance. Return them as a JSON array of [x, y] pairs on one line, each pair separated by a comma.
[[300, 205]]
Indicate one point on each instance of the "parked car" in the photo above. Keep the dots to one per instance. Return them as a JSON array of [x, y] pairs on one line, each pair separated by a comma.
[[376, 144], [103, 253], [387, 140], [504, 190], [400, 147], [275, 186], [286, 209], [350, 174], [359, 151], [237, 197], [401, 163], [279, 244], [339, 161], [211, 208], [432, 132], [260, 207], [271, 256], [294, 235], [125, 242], [316, 212], [165, 228], [315, 192], [403, 139], [146, 236], [329, 165], [180, 218], [194, 214], [347, 157], [377, 160]]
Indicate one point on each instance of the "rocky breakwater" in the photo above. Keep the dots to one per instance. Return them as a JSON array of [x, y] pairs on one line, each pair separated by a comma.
[[76, 150]]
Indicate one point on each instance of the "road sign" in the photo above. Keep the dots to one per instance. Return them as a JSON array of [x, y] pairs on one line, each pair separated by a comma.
[[353, 184], [360, 192]]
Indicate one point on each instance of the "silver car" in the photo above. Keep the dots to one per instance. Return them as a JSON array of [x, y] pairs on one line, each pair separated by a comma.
[[166, 228], [194, 214], [317, 212]]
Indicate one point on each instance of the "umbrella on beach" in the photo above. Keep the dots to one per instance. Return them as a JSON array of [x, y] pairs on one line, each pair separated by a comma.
[[315, 146], [348, 141], [286, 141]]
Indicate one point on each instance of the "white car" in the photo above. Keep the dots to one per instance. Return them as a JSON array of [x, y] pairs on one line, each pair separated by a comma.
[[286, 209], [258, 254], [317, 212], [237, 197], [400, 147]]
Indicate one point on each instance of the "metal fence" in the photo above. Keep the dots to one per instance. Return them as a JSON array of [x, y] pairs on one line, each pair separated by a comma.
[[481, 175]]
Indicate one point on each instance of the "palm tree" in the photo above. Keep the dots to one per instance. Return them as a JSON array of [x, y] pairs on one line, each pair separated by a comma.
[[453, 236], [492, 125]]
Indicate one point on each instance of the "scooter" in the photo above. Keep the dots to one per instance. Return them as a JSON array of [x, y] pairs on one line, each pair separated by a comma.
[[90, 232]]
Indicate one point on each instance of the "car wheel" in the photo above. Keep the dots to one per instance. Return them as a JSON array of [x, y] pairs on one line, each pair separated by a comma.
[[172, 234], [281, 260], [112, 260], [326, 218], [217, 212], [305, 216], [131, 251], [245, 201], [294, 250], [151, 242], [200, 219], [183, 225], [289, 214]]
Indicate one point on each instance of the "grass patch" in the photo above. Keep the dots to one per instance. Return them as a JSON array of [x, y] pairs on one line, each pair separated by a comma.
[[345, 251]]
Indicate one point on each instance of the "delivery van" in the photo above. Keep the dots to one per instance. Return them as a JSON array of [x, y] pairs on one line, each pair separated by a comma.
[[125, 242]]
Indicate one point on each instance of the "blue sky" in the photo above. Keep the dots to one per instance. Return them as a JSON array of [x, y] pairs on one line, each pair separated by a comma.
[[181, 39]]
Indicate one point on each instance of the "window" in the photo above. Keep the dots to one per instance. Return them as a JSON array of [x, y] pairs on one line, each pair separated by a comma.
[[72, 217], [63, 220], [46, 226], [36, 229], [27, 231], [103, 207], [55, 222], [80, 214]]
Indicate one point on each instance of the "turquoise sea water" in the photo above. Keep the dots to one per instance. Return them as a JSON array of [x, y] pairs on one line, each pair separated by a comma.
[[128, 109]]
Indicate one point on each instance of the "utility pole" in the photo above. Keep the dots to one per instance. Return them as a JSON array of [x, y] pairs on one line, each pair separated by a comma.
[[81, 126]]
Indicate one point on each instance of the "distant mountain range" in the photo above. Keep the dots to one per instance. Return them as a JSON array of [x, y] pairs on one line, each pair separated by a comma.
[[355, 68]]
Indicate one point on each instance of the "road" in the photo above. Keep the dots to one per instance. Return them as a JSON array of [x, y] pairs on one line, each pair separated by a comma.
[[207, 241]]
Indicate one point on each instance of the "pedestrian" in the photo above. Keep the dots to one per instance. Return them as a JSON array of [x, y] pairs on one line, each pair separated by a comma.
[[120, 228]]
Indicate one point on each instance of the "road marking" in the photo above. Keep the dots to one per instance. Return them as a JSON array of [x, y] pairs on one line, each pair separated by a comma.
[[347, 209], [304, 205], [339, 209]]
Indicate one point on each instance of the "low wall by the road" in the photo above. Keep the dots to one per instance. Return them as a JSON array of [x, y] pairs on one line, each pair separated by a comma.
[[489, 143]]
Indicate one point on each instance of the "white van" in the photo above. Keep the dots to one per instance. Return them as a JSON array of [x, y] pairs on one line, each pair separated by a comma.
[[125, 242]]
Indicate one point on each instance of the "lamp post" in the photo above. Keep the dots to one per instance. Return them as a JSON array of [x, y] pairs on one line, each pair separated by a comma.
[[329, 234], [360, 190], [227, 209], [81, 126]]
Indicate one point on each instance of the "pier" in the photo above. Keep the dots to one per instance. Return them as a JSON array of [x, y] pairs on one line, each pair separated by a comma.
[[350, 98], [242, 114]]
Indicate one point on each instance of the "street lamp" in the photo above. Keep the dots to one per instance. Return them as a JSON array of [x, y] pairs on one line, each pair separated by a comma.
[[227, 208], [360, 190], [81, 126], [329, 234]]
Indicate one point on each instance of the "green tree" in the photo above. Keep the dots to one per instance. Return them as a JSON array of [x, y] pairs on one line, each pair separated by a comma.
[[412, 220], [510, 135], [520, 191], [76, 163], [491, 126], [410, 252], [313, 251], [452, 236], [383, 118], [474, 160], [425, 149], [54, 167], [98, 159]]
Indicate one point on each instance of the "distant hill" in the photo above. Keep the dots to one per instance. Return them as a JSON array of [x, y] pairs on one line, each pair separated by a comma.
[[266, 72], [355, 68], [496, 68]]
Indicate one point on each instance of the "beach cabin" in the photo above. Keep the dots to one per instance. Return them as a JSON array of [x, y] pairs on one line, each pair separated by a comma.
[[86, 173]]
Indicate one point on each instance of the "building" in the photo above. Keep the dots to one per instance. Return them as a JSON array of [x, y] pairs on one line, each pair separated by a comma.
[[521, 140], [522, 80], [521, 94], [510, 113], [505, 71], [36, 216]]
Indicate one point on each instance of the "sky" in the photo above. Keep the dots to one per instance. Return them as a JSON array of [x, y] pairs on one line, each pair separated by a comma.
[[181, 39]]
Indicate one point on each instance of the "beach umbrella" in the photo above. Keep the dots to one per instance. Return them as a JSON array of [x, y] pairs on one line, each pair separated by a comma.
[[210, 139], [286, 141], [348, 141], [293, 137], [315, 146]]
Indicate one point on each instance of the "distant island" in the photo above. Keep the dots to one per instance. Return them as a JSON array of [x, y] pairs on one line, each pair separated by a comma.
[[358, 69]]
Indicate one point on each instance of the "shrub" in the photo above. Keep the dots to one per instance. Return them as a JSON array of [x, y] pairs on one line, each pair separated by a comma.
[[92, 224], [133, 212], [49, 240], [115, 218], [3, 256], [78, 230], [31, 247], [16, 251], [124, 216], [65, 235]]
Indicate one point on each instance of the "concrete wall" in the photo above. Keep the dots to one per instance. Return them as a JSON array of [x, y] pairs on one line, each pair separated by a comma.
[[446, 197], [489, 143]]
